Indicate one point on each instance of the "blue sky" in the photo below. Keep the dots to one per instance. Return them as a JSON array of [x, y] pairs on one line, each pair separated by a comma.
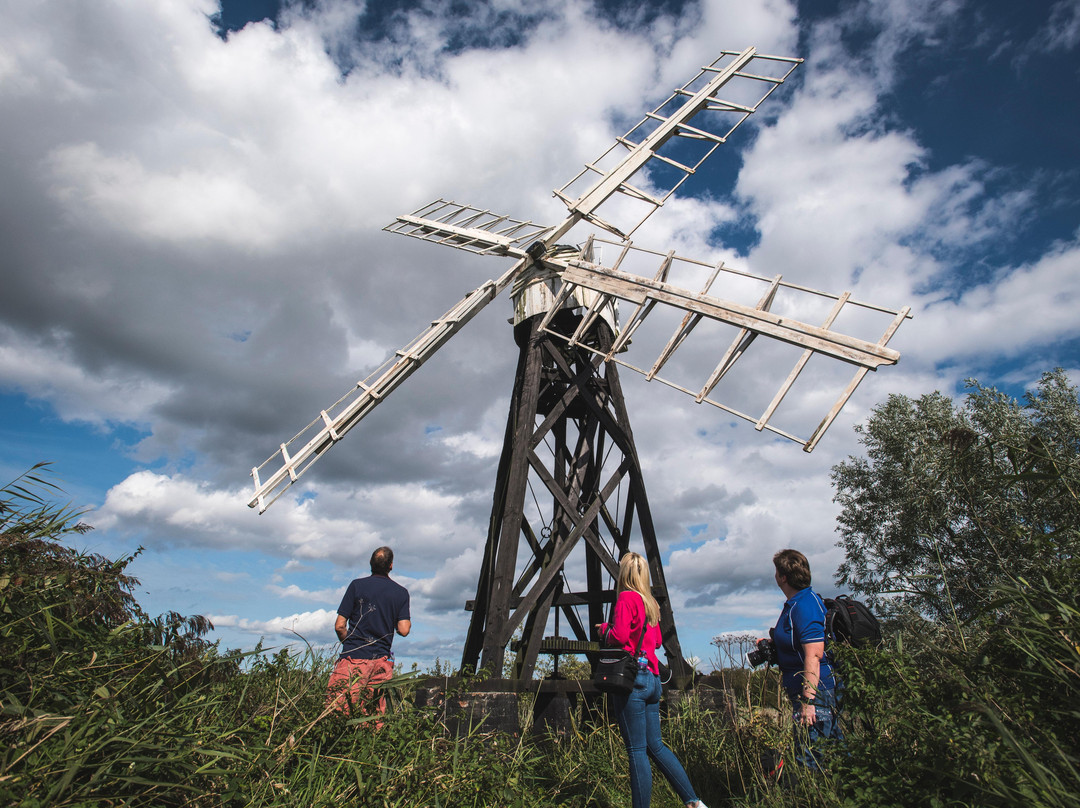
[[191, 204]]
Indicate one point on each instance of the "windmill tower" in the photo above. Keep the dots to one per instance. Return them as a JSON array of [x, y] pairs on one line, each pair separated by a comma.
[[569, 481]]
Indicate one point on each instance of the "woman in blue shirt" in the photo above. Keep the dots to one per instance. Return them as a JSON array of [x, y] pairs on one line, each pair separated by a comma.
[[805, 668]]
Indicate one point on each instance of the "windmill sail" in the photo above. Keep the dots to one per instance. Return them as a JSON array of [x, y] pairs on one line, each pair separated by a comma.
[[294, 457], [441, 222], [467, 228], [644, 167], [745, 321]]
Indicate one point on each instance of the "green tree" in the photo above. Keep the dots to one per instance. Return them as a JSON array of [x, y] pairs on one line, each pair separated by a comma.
[[949, 499]]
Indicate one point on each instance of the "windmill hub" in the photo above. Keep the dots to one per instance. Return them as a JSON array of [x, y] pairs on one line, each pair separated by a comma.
[[536, 250]]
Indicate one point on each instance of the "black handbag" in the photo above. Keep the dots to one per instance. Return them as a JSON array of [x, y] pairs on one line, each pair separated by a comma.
[[616, 669]]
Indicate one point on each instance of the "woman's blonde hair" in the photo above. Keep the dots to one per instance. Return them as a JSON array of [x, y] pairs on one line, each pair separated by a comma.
[[634, 575]]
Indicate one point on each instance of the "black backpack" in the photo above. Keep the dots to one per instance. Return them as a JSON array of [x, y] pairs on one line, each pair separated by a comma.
[[850, 622]]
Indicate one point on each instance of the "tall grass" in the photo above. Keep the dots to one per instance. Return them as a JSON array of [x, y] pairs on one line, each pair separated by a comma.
[[101, 705]]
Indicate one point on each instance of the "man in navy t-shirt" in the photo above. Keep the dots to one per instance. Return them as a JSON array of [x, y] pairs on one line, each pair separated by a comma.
[[371, 611]]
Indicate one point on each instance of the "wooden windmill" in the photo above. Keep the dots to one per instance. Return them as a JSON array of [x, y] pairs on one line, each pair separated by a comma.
[[569, 482]]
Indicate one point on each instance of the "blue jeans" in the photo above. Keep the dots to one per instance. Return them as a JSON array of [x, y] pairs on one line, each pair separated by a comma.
[[812, 742], [638, 714]]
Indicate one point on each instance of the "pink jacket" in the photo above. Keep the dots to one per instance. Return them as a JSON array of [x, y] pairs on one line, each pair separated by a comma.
[[629, 618]]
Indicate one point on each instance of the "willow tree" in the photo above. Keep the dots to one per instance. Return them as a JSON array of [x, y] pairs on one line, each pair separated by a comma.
[[951, 498]]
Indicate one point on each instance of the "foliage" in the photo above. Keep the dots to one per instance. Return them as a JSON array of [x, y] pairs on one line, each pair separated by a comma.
[[948, 500], [943, 721], [974, 702], [98, 701], [1032, 664], [31, 558]]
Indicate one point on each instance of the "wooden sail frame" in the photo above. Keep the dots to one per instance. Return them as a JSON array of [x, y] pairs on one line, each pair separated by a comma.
[[752, 321]]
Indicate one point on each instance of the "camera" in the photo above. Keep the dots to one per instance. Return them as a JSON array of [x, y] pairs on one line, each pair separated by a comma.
[[764, 652]]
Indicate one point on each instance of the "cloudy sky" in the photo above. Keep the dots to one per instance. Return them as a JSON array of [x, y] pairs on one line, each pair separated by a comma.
[[192, 265]]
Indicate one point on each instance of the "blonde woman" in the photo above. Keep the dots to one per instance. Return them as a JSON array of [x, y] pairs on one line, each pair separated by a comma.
[[638, 712]]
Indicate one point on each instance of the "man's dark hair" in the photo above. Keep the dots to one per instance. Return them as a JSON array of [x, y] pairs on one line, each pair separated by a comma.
[[792, 565], [382, 560]]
